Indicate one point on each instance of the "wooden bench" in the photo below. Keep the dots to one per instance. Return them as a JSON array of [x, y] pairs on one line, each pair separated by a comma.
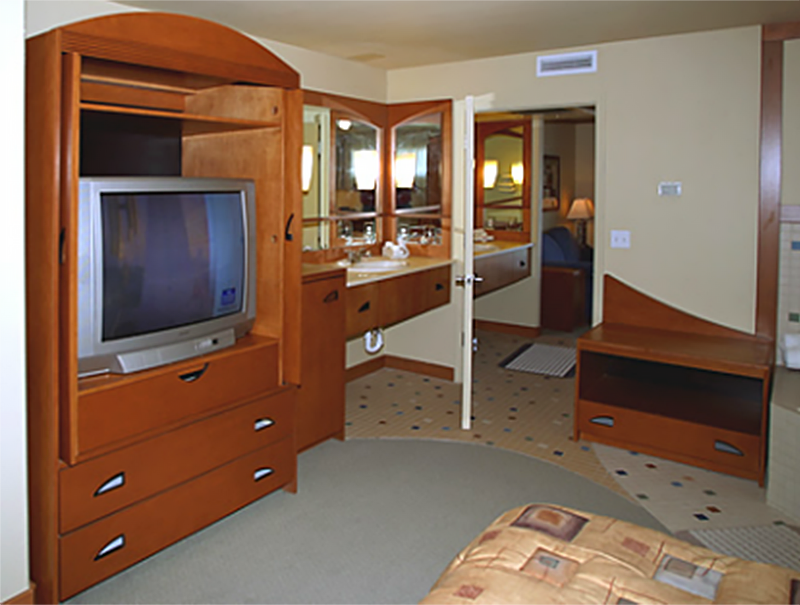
[[656, 380]]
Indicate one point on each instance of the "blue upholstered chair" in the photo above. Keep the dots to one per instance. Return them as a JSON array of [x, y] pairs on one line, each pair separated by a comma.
[[567, 274]]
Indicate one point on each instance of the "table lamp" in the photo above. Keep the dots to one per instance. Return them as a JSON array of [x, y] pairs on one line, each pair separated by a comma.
[[581, 210]]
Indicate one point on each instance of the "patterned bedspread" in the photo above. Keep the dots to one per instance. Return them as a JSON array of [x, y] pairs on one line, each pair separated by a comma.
[[550, 554]]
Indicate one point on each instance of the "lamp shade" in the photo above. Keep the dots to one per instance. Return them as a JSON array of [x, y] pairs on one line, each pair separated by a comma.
[[490, 168], [581, 209]]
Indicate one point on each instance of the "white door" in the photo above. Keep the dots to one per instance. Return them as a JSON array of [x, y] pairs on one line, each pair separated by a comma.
[[467, 279]]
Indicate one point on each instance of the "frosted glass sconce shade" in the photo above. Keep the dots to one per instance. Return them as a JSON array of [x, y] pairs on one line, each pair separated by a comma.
[[517, 173], [307, 167], [490, 168], [365, 162], [405, 169]]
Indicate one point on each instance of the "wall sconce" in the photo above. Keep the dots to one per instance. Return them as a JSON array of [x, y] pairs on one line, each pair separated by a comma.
[[517, 173], [365, 164], [581, 210], [405, 169], [307, 167], [490, 169], [344, 124]]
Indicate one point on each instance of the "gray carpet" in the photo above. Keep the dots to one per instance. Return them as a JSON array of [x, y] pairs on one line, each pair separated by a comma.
[[374, 521]]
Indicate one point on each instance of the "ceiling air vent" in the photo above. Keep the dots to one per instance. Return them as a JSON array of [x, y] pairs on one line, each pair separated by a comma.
[[568, 63]]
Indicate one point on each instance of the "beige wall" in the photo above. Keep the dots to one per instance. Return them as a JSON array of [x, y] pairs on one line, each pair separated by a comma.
[[670, 108], [13, 443], [791, 123]]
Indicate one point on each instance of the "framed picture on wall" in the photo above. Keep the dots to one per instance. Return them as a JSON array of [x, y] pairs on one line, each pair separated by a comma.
[[551, 185]]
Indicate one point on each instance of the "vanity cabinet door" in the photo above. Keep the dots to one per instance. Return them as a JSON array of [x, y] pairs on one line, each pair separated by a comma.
[[320, 406]]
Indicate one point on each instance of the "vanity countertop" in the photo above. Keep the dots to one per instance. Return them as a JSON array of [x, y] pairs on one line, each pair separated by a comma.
[[356, 278], [483, 249]]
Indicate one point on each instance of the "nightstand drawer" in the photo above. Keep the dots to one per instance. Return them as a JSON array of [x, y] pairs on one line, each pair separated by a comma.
[[105, 484], [103, 548], [155, 400]]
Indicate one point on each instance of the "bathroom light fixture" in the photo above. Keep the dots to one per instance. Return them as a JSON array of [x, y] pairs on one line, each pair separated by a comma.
[[344, 124], [365, 163], [490, 168], [307, 167], [517, 173], [405, 169]]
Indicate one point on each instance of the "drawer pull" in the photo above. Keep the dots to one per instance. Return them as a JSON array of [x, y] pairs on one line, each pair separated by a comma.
[[331, 297], [116, 481], [364, 307], [602, 420], [112, 546], [439, 287], [262, 472], [727, 448], [263, 423], [192, 376]]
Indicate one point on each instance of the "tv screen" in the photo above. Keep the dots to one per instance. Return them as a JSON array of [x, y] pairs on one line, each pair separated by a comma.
[[166, 269], [170, 260]]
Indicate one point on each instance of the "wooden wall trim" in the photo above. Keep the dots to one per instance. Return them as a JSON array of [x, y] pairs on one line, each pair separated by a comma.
[[781, 31], [23, 598], [420, 367], [399, 363], [506, 328], [769, 187]]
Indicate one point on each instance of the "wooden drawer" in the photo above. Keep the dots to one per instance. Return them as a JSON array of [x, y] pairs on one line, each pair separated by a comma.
[[408, 295], [361, 309], [105, 484], [500, 270], [113, 543], [157, 399], [689, 442]]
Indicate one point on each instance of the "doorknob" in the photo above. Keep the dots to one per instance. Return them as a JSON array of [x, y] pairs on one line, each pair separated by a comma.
[[463, 280]]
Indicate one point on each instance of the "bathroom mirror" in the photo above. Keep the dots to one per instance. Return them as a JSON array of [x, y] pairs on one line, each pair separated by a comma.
[[418, 175], [502, 188], [341, 172]]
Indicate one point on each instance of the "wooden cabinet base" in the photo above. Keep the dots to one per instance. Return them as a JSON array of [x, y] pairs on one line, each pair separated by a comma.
[[107, 546]]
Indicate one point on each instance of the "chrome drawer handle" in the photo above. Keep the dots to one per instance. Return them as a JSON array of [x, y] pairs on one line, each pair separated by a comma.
[[263, 423], [727, 448], [602, 420], [262, 472], [112, 546], [116, 481], [192, 376]]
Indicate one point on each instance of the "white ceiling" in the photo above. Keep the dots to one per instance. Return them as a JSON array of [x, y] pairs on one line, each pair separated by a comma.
[[391, 34]]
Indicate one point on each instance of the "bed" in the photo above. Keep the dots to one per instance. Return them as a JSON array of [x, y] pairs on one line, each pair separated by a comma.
[[543, 553]]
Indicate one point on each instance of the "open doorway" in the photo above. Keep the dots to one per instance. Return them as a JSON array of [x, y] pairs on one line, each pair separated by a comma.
[[567, 225]]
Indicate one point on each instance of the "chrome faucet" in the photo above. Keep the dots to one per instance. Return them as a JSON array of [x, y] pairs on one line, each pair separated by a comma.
[[354, 256]]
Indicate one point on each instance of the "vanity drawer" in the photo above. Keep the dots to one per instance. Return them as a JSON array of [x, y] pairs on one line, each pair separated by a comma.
[[156, 399], [105, 484], [689, 442], [361, 310], [103, 548]]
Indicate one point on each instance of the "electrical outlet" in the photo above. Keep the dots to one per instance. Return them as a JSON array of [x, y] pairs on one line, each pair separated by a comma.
[[620, 239]]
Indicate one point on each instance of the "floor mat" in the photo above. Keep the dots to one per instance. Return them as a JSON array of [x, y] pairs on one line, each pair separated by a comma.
[[774, 544], [548, 360]]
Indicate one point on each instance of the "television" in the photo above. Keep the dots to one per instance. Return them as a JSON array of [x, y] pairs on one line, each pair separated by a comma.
[[166, 269]]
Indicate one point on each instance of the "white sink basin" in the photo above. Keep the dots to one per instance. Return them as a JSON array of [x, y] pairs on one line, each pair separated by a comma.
[[378, 265]]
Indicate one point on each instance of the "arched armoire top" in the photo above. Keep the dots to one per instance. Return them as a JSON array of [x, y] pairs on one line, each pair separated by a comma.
[[178, 43]]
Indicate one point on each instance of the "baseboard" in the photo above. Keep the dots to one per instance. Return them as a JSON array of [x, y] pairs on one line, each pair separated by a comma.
[[517, 330], [420, 367], [362, 369], [23, 598], [399, 363]]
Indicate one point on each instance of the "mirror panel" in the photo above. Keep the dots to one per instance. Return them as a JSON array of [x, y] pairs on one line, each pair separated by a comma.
[[417, 169], [315, 170], [356, 165]]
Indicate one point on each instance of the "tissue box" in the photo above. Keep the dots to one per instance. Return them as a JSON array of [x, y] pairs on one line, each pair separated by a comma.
[[791, 351]]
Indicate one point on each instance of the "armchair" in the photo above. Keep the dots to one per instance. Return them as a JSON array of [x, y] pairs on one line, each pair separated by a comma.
[[567, 275]]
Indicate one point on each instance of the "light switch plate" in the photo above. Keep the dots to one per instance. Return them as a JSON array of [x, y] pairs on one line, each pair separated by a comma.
[[620, 239]]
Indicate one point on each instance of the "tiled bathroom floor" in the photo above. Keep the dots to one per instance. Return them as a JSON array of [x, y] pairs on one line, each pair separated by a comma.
[[532, 414]]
